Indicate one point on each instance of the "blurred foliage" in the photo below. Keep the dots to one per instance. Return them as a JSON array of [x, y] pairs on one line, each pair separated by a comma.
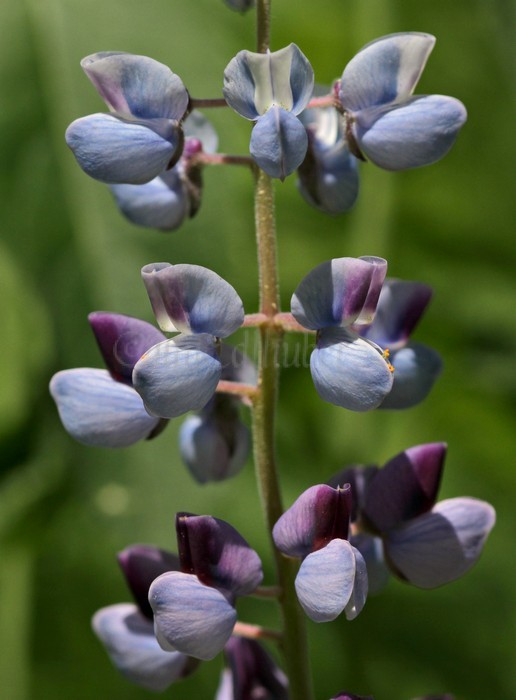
[[65, 510]]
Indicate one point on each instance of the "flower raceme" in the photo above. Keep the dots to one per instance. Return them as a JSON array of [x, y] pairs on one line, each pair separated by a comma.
[[142, 134], [398, 524]]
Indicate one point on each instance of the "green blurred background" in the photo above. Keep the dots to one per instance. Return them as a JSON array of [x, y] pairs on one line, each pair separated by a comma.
[[65, 510]]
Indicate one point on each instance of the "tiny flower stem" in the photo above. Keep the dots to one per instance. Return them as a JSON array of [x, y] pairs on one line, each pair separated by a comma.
[[209, 103], [237, 389], [222, 159], [267, 592], [283, 321], [243, 629], [325, 101]]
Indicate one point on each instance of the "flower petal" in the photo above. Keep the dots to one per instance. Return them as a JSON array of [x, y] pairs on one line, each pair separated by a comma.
[[442, 545], [251, 673], [122, 340], [136, 86], [358, 477], [141, 564], [416, 368], [406, 487], [324, 583], [360, 587], [278, 142], [197, 127], [385, 70], [417, 132], [130, 642], [190, 617], [99, 411], [318, 516], [400, 306], [192, 299], [214, 447], [335, 292], [349, 372], [254, 82], [162, 203], [371, 549], [217, 554], [178, 375], [113, 150]]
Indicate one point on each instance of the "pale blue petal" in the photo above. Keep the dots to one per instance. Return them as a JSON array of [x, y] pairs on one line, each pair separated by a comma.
[[254, 82], [442, 545], [278, 142], [417, 132], [113, 150], [333, 293], [416, 369], [360, 587], [129, 640], [99, 411], [190, 617], [349, 372], [162, 203], [324, 583], [136, 86], [196, 126], [385, 71], [371, 549], [192, 299], [177, 375]]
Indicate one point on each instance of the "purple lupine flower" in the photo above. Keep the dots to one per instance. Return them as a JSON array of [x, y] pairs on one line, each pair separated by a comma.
[[272, 89], [332, 577], [100, 407], [384, 121], [127, 632], [250, 673], [416, 366], [422, 542], [328, 176], [194, 609], [182, 373], [174, 195], [215, 444], [142, 135], [334, 299]]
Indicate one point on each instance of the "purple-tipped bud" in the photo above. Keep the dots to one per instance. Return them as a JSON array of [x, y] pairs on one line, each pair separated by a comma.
[[141, 564], [318, 516], [217, 554], [358, 477], [122, 341], [406, 487], [250, 673]]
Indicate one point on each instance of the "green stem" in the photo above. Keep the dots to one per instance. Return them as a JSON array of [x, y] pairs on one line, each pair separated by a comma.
[[294, 643], [263, 25]]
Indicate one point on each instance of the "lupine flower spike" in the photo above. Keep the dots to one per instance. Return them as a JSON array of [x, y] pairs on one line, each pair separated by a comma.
[[142, 135], [272, 89]]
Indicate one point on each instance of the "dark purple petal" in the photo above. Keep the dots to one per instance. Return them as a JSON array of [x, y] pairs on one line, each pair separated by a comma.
[[400, 306], [318, 516], [141, 564], [378, 276], [440, 546], [122, 341], [344, 695], [371, 549], [217, 554], [407, 486], [251, 673], [357, 477]]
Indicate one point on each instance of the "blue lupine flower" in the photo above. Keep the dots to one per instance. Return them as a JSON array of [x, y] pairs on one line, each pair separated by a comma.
[[416, 366], [271, 89], [215, 444], [332, 577], [385, 121], [333, 299], [127, 631], [328, 176], [100, 408], [142, 135], [250, 673], [424, 543], [194, 610], [181, 374], [167, 200]]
